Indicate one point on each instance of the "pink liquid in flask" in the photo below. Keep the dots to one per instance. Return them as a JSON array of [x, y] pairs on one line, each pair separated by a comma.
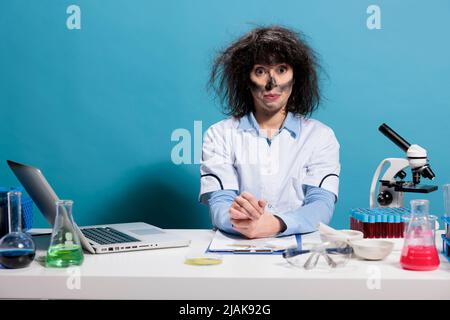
[[419, 250], [420, 258]]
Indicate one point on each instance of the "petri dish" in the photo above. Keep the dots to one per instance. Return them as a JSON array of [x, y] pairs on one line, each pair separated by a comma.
[[203, 259]]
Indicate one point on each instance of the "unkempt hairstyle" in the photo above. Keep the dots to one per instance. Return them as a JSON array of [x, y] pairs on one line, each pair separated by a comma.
[[230, 75]]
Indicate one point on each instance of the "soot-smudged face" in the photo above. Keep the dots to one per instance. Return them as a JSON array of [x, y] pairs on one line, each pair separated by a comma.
[[271, 86]]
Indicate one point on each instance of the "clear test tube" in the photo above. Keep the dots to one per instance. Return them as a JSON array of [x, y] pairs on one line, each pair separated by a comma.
[[446, 188]]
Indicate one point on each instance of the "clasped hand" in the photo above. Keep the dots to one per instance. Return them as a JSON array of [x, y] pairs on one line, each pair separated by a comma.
[[249, 217]]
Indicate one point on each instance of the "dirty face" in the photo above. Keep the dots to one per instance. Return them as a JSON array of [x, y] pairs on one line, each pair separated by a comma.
[[271, 86]]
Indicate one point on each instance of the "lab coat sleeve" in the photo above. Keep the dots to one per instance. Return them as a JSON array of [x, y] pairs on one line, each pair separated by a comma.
[[217, 165], [323, 168], [318, 207], [219, 203]]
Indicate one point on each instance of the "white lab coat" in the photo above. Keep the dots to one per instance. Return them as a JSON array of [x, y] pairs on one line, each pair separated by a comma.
[[236, 157]]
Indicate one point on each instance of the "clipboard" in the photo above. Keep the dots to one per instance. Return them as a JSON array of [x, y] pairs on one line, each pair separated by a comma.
[[225, 243]]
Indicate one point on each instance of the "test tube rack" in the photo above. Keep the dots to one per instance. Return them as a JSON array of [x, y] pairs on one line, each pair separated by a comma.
[[446, 238], [378, 222]]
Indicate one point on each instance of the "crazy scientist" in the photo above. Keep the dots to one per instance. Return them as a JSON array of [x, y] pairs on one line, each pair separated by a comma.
[[269, 169]]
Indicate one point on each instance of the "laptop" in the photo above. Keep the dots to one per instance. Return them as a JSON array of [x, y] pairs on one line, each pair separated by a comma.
[[99, 238]]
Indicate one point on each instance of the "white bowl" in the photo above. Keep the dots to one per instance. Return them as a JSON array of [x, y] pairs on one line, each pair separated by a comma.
[[372, 249], [345, 236]]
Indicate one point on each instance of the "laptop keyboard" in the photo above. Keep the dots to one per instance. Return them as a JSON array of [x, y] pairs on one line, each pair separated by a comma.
[[106, 235]]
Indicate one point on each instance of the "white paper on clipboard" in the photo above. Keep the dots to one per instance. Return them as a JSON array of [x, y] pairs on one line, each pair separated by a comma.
[[230, 243]]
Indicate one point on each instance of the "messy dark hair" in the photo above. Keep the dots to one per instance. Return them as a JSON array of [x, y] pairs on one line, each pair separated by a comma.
[[230, 75]]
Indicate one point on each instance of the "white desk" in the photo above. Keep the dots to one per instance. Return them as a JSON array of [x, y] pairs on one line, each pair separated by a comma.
[[162, 274]]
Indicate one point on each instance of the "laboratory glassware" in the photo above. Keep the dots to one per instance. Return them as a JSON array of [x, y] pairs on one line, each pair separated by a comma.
[[419, 248], [17, 248], [65, 249], [446, 188], [446, 219]]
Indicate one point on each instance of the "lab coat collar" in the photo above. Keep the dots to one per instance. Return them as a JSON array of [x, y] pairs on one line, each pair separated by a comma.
[[291, 123]]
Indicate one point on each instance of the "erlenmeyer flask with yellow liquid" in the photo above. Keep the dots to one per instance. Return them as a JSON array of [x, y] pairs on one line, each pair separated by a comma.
[[65, 249]]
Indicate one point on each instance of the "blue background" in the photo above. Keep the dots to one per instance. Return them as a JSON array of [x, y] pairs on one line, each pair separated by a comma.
[[95, 108]]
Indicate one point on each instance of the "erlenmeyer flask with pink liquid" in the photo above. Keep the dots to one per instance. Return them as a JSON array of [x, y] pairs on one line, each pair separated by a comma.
[[419, 249]]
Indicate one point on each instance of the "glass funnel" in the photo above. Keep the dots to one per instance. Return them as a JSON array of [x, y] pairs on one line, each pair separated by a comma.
[[65, 249], [419, 249], [17, 249]]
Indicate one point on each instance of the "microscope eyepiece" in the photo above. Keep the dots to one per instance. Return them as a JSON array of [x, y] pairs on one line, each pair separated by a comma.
[[394, 137]]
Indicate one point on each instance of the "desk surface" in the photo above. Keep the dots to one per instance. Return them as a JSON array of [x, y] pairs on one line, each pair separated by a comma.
[[162, 274]]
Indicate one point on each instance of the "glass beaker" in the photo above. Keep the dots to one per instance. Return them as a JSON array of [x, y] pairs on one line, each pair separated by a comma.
[[419, 249], [17, 249], [65, 249]]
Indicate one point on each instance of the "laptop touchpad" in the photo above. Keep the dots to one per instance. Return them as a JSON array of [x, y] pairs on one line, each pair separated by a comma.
[[146, 232]]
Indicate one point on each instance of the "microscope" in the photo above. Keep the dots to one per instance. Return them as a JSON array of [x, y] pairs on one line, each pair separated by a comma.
[[392, 186]]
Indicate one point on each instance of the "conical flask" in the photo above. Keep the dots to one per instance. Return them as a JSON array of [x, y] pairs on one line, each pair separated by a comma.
[[65, 249], [419, 249]]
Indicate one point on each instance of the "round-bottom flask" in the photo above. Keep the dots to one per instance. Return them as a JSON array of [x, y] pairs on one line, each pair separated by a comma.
[[17, 249]]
